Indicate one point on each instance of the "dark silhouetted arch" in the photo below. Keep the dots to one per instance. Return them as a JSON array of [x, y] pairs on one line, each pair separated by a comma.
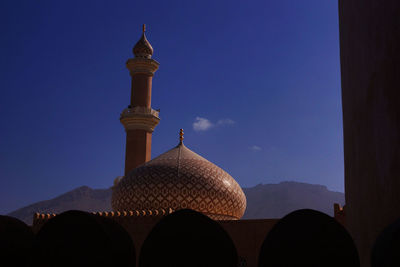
[[16, 240], [308, 238], [123, 250], [188, 238], [386, 250], [77, 238]]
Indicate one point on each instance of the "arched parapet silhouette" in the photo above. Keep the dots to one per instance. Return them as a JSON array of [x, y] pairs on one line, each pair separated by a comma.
[[123, 217], [386, 249], [77, 238], [16, 242], [308, 238], [188, 238]]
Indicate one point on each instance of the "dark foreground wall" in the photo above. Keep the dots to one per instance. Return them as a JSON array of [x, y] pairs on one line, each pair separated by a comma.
[[370, 66], [308, 238], [247, 235]]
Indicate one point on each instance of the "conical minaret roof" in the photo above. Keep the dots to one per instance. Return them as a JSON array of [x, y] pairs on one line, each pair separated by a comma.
[[143, 48]]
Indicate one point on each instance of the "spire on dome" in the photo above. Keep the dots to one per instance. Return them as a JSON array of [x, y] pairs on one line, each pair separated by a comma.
[[181, 133], [143, 48]]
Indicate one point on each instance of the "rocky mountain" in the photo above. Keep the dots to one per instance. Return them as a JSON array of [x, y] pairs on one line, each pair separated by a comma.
[[81, 198], [263, 201], [277, 200]]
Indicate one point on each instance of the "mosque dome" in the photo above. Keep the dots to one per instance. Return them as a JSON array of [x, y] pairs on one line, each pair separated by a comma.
[[180, 179], [143, 48]]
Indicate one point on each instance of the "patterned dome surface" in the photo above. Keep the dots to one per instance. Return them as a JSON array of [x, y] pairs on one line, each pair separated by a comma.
[[180, 179]]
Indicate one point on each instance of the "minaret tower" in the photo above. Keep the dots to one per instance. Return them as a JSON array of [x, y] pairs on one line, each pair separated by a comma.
[[139, 119]]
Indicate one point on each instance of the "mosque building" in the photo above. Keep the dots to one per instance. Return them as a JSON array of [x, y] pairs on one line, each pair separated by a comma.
[[177, 179]]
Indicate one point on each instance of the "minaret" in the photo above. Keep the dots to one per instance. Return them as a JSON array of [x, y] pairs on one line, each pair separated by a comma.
[[139, 119]]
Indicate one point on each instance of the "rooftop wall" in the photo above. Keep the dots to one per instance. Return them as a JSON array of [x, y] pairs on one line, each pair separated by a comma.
[[370, 70]]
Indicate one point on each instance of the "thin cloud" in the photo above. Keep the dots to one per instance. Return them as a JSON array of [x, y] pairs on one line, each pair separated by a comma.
[[225, 122], [255, 148], [203, 124]]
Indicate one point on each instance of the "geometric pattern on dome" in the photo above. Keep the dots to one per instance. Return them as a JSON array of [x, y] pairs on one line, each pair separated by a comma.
[[143, 48], [180, 179]]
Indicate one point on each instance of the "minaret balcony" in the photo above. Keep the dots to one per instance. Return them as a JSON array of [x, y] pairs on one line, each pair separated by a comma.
[[140, 110], [142, 65], [140, 118]]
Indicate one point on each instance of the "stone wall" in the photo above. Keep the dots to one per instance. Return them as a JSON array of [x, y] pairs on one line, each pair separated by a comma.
[[247, 235], [370, 70]]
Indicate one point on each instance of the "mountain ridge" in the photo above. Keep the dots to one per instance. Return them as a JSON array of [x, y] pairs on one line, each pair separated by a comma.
[[263, 201]]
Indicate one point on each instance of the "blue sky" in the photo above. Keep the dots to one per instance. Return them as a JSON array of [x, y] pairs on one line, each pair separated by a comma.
[[254, 84]]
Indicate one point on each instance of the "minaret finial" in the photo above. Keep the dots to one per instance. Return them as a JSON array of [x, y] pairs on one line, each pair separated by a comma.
[[143, 48], [181, 133]]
